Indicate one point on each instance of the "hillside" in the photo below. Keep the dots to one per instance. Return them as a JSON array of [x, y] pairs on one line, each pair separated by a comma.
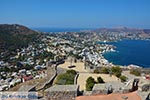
[[15, 29], [123, 29], [15, 36]]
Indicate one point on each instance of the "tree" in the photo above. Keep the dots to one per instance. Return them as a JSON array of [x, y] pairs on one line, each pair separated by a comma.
[[117, 74], [123, 78], [100, 80], [89, 86], [90, 83], [90, 80], [96, 71], [135, 72], [116, 71], [28, 67], [105, 70], [71, 72]]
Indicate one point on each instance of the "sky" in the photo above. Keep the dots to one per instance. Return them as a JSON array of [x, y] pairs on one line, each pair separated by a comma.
[[76, 13]]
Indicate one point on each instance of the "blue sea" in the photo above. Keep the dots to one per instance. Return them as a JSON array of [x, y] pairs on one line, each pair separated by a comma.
[[60, 29], [130, 52]]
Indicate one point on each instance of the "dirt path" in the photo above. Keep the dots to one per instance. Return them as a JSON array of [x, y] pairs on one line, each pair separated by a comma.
[[79, 66]]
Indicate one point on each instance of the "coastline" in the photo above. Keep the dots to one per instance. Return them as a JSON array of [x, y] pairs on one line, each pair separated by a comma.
[[108, 55]]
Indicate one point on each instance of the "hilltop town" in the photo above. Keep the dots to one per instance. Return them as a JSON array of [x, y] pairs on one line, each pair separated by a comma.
[[70, 65]]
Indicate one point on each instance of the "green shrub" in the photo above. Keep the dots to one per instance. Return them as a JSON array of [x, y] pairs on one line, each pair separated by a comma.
[[89, 86], [96, 71], [123, 78], [90, 80], [66, 78], [100, 80], [117, 74], [135, 72], [116, 71], [105, 70], [71, 72], [90, 83]]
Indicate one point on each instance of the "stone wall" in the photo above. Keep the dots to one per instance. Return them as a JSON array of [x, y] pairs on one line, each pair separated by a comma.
[[50, 81], [97, 92], [76, 78], [61, 95]]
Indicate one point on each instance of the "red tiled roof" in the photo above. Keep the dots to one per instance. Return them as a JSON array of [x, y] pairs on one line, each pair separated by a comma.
[[130, 96], [27, 78], [147, 77]]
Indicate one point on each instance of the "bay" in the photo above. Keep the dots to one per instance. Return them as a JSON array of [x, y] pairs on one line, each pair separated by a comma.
[[128, 52]]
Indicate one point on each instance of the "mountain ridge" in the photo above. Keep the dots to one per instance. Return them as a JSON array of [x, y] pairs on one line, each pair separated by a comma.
[[122, 29]]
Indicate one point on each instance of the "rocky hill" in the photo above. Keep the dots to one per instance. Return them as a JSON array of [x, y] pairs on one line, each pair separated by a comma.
[[15, 36], [15, 29]]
